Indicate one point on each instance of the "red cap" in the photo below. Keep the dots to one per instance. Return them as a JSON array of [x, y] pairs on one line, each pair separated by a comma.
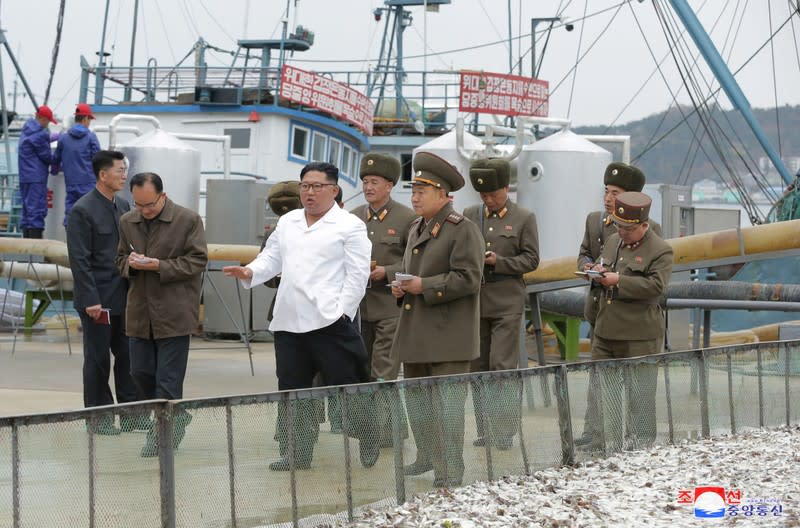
[[84, 110], [44, 111]]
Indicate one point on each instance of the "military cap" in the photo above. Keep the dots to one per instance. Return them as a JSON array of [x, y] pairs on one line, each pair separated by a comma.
[[623, 175], [430, 169], [487, 175], [380, 165], [284, 197], [631, 208]]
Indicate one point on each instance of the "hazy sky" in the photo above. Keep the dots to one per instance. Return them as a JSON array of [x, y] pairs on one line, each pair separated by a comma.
[[616, 63]]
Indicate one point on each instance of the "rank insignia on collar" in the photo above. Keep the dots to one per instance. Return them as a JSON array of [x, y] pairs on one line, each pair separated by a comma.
[[435, 231], [509, 228], [391, 231], [503, 212], [383, 214]]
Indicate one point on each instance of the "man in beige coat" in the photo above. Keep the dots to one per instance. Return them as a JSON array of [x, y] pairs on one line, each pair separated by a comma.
[[630, 322], [388, 223], [162, 252], [512, 249], [437, 333]]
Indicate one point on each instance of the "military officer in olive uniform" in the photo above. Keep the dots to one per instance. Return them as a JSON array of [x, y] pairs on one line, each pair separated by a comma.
[[512, 249], [437, 333], [630, 321], [618, 178], [388, 223]]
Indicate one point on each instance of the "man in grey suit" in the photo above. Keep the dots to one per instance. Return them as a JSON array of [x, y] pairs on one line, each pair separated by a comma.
[[100, 293]]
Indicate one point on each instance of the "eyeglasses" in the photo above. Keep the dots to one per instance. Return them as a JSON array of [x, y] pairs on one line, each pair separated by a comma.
[[150, 205], [305, 186]]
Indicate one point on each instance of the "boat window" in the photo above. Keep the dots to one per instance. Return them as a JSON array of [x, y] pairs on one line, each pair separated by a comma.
[[346, 153], [333, 152], [318, 149], [354, 160], [300, 142], [240, 137]]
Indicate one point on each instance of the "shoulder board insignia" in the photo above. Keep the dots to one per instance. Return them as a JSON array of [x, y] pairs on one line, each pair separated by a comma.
[[436, 228], [455, 218]]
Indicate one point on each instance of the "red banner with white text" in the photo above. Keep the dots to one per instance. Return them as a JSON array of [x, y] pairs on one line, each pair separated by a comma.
[[496, 93], [335, 98]]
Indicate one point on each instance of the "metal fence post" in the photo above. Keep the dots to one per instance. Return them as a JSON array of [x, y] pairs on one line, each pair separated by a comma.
[[231, 461], [703, 375], [668, 394], [92, 429], [760, 388], [396, 409], [348, 468], [15, 475], [166, 462], [291, 446], [600, 404], [786, 365], [520, 429], [730, 391], [564, 417]]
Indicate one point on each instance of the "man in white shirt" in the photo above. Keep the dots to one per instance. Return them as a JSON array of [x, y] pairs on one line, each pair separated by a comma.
[[323, 255]]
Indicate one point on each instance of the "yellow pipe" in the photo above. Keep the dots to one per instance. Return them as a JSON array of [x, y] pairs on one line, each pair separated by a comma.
[[720, 244]]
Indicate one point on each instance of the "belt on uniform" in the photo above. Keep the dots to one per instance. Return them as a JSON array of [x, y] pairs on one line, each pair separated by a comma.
[[498, 277]]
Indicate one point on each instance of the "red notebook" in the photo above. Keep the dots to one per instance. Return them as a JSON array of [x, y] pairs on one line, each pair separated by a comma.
[[105, 316]]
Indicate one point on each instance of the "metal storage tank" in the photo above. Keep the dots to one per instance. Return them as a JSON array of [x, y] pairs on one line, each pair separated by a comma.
[[177, 162], [560, 179], [444, 146]]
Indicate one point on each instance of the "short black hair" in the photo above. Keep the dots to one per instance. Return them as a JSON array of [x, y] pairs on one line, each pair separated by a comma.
[[105, 159], [330, 170], [141, 178]]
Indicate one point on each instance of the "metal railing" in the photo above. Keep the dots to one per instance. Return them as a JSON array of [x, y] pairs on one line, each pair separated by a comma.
[[57, 473]]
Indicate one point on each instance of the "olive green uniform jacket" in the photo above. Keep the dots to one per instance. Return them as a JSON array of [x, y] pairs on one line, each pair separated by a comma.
[[167, 300], [634, 312], [441, 324], [512, 234], [597, 231], [388, 231]]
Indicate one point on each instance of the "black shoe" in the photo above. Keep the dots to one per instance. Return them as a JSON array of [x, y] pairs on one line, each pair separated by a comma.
[[446, 482], [504, 443], [479, 442], [282, 464], [417, 468], [368, 451], [135, 423], [585, 439], [104, 428]]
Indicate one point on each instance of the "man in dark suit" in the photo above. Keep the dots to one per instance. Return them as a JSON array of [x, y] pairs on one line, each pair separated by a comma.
[[100, 292]]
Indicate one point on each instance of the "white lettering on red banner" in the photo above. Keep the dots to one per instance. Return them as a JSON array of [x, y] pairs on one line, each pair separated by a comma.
[[335, 98], [495, 93]]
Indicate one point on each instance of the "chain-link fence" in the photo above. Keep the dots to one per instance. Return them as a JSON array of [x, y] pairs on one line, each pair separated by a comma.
[[66, 470]]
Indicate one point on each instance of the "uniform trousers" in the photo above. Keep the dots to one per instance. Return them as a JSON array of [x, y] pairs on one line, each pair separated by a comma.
[[378, 337], [74, 193], [497, 402], [34, 205], [337, 353], [100, 341], [640, 383], [158, 366], [436, 416]]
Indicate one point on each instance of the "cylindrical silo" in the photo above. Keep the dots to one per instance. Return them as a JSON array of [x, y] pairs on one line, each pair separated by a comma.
[[560, 179], [445, 147], [177, 162]]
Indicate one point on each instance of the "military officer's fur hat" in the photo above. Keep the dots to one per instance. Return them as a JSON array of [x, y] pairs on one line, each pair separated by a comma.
[[623, 175], [631, 208], [284, 197], [380, 165], [430, 169], [487, 175]]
